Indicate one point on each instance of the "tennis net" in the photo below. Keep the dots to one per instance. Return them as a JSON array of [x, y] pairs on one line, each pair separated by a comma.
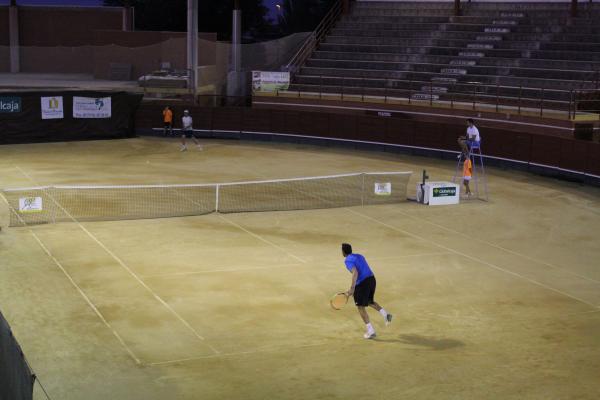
[[48, 204]]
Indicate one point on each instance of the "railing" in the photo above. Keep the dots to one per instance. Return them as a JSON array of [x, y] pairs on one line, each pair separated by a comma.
[[474, 96], [315, 37]]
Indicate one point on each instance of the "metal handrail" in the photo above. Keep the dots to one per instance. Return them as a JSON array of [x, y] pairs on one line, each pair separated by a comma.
[[315, 37], [475, 97]]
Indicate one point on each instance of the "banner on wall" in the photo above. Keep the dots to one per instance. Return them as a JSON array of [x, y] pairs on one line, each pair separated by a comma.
[[10, 105], [264, 81], [52, 107], [92, 107]]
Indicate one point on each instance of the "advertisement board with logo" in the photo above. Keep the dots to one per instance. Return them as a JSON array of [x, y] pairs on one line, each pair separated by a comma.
[[52, 107], [265, 81], [92, 107], [30, 204], [10, 105], [438, 193], [383, 189]]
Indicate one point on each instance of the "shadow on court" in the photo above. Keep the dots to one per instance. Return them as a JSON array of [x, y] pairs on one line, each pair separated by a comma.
[[432, 343]]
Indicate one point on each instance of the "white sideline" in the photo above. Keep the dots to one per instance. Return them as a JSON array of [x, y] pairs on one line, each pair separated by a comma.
[[122, 264], [262, 239], [478, 260], [81, 292]]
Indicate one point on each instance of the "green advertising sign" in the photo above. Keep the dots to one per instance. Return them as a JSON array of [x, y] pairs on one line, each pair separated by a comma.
[[10, 104], [444, 191]]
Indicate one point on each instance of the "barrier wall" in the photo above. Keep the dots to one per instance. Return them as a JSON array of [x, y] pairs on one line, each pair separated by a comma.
[[516, 146], [16, 379], [21, 119]]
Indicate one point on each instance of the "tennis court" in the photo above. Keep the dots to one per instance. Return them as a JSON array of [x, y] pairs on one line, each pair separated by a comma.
[[491, 300]]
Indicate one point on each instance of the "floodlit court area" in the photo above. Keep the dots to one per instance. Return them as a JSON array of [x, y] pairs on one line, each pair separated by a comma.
[[491, 300]]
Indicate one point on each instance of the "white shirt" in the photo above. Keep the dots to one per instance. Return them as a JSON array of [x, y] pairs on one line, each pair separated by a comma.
[[473, 133], [187, 122]]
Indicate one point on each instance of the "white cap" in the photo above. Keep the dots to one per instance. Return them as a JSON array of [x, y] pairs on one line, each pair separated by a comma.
[[186, 112]]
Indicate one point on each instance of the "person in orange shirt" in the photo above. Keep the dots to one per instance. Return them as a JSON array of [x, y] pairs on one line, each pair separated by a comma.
[[467, 174], [168, 121]]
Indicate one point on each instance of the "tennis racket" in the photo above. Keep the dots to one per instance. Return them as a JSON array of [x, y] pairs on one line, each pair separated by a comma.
[[338, 301]]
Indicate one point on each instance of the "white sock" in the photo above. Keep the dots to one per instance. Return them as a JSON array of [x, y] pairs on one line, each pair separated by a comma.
[[370, 328], [383, 313]]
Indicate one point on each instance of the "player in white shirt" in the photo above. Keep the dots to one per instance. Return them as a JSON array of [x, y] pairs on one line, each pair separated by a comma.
[[472, 136], [188, 130]]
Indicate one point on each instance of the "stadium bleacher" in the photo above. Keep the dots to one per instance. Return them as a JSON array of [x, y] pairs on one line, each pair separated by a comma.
[[511, 53]]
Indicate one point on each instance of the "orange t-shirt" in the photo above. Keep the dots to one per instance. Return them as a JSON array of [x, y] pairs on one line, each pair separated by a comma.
[[467, 167], [168, 115]]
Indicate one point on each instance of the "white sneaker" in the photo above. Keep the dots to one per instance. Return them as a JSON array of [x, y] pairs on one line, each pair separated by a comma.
[[199, 146], [388, 319], [370, 335], [183, 148]]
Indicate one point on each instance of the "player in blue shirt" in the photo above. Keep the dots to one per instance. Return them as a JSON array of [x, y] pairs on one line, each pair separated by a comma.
[[363, 288]]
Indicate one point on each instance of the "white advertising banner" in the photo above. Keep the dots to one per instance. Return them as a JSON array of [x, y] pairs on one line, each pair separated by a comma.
[[92, 107], [383, 189], [30, 204], [264, 81], [52, 107]]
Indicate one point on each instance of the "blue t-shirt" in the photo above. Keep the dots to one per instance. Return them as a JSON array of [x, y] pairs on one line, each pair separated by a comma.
[[358, 261]]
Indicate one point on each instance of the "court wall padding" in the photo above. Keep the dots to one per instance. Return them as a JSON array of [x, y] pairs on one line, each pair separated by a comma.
[[16, 379], [27, 125], [543, 147]]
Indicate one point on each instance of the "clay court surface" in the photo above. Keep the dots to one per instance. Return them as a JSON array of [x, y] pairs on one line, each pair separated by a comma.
[[496, 300]]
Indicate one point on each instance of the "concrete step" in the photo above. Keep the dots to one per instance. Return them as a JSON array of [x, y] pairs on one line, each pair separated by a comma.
[[466, 35], [454, 51], [467, 98], [468, 58], [472, 6], [425, 75], [438, 42], [459, 87]]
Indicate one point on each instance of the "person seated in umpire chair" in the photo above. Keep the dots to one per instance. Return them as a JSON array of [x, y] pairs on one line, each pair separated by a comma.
[[470, 141]]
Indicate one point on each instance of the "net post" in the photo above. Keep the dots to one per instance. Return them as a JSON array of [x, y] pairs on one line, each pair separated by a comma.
[[217, 199]]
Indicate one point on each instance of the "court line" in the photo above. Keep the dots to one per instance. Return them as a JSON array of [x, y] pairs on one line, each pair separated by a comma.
[[124, 266], [81, 292], [499, 247], [262, 239], [236, 269], [236, 353], [281, 266], [474, 258]]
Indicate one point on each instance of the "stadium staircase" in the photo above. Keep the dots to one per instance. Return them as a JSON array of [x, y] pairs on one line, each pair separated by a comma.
[[516, 55]]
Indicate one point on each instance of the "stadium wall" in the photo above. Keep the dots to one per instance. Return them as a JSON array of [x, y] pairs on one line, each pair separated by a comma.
[[25, 123], [16, 379], [65, 26], [522, 145]]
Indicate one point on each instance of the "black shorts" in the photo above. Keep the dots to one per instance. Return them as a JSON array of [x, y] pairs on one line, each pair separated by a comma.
[[364, 292], [188, 133]]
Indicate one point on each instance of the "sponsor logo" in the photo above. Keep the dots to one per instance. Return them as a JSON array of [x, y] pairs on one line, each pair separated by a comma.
[[30, 204], [92, 107], [265, 81], [52, 107], [444, 191], [383, 189], [10, 105]]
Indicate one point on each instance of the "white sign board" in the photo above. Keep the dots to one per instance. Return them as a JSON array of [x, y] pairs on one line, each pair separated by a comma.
[[264, 81], [439, 193], [92, 107], [383, 189], [30, 204], [52, 107]]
